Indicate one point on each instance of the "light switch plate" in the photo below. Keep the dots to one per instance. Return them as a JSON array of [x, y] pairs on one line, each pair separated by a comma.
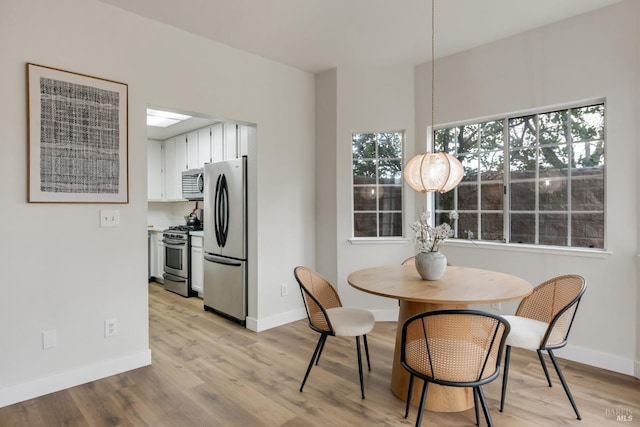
[[109, 218]]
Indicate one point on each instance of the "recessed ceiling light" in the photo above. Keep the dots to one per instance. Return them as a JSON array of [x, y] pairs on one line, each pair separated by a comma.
[[164, 119]]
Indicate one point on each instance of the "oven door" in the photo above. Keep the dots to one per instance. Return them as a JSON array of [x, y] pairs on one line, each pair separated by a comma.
[[175, 257]]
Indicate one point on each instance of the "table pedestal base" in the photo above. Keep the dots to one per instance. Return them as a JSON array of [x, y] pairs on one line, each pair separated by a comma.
[[439, 398]]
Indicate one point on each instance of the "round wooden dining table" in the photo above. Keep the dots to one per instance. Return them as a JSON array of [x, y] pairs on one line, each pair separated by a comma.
[[456, 289]]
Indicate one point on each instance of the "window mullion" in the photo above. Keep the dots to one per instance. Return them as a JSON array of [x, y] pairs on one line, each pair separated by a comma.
[[537, 182], [506, 182]]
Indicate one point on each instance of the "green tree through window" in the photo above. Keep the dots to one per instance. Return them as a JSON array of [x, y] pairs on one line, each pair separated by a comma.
[[377, 184], [535, 179]]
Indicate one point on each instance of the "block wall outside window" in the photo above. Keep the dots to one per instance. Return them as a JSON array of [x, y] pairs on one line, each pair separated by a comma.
[[533, 179]]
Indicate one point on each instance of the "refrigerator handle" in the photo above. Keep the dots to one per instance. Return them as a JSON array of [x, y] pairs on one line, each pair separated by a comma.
[[219, 260], [221, 210]]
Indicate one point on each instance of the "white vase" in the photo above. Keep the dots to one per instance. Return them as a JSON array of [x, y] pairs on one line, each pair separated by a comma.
[[431, 265]]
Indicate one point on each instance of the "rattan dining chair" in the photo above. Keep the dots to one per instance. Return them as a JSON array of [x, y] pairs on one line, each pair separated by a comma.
[[458, 348], [327, 316], [409, 261], [543, 321], [412, 261]]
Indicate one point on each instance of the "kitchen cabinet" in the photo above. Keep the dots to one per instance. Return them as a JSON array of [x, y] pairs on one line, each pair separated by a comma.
[[170, 170], [156, 255], [155, 181], [192, 148], [197, 264], [204, 146], [217, 143], [245, 134], [230, 150], [166, 160]]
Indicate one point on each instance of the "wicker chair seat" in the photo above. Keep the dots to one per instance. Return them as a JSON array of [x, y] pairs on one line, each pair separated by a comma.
[[453, 360], [350, 322]]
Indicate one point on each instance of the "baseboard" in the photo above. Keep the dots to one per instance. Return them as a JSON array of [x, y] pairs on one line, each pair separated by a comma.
[[259, 325], [72, 378], [598, 359]]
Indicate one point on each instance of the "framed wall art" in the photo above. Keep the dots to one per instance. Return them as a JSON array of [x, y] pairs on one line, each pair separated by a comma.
[[78, 135]]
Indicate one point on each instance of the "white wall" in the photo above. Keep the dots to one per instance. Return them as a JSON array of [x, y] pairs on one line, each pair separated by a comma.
[[590, 56], [62, 271], [369, 99]]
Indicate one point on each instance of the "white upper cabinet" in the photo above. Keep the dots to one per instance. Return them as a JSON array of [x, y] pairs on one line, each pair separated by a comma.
[[155, 181], [171, 183], [217, 142], [168, 159], [230, 141], [192, 150], [245, 133], [204, 146]]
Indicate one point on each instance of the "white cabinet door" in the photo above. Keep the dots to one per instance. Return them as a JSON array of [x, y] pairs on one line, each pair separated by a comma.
[[217, 143], [154, 170], [192, 150], [170, 170], [230, 141], [160, 259], [182, 162], [197, 264], [245, 135], [204, 146], [156, 255], [175, 161]]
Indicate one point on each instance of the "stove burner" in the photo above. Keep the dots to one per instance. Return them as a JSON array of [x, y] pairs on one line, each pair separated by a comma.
[[183, 228]]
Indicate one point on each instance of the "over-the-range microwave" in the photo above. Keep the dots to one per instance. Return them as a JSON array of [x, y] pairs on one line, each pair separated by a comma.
[[193, 184]]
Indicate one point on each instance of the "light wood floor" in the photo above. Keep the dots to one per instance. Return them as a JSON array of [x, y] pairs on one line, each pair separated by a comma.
[[207, 371]]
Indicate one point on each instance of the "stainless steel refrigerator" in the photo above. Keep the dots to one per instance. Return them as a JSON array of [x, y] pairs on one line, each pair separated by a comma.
[[225, 239]]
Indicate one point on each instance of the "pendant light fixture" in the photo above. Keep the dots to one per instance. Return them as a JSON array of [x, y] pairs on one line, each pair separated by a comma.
[[433, 172]]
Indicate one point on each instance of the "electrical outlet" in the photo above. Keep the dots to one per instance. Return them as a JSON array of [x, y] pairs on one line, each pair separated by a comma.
[[49, 339], [283, 290], [110, 327], [109, 218], [496, 305]]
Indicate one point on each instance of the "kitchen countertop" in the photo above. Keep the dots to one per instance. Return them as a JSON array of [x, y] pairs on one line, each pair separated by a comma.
[[197, 233]]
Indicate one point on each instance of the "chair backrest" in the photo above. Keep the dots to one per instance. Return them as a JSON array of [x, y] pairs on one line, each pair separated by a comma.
[[409, 261], [554, 302], [318, 296], [412, 261], [454, 347]]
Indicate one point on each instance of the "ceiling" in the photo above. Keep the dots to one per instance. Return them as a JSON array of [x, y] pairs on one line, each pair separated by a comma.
[[315, 35]]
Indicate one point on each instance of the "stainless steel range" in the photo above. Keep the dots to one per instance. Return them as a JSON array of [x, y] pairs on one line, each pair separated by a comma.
[[177, 260]]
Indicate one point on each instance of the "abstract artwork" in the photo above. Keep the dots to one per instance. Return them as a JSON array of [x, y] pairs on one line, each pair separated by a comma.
[[77, 137]]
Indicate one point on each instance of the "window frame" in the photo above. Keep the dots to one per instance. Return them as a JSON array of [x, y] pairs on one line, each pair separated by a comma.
[[402, 211], [507, 209]]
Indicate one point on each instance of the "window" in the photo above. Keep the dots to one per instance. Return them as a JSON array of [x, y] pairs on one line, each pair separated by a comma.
[[377, 184], [535, 179]]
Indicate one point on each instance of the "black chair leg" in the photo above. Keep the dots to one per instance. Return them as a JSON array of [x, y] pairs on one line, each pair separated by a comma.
[[544, 366], [564, 383], [360, 366], [409, 394], [475, 405], [316, 354], [505, 375], [483, 401], [366, 350], [320, 352], [423, 399]]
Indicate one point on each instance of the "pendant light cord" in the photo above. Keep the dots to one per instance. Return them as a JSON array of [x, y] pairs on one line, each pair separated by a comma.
[[433, 66]]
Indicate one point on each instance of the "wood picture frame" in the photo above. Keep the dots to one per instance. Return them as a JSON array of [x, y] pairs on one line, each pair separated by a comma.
[[77, 137]]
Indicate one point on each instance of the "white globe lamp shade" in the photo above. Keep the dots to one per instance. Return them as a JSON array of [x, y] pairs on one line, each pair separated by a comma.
[[433, 172]]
